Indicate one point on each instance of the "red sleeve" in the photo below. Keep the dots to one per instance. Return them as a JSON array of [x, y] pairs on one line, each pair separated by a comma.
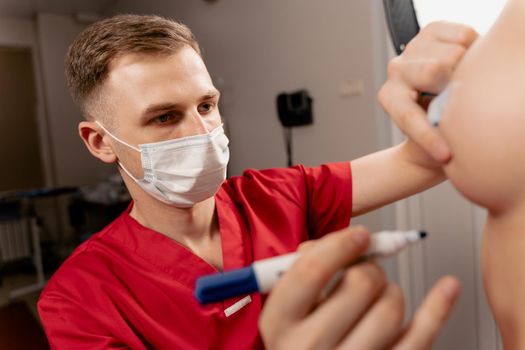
[[329, 202], [305, 203], [69, 325]]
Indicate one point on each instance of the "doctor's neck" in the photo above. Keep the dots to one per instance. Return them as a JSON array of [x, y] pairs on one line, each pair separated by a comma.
[[181, 224]]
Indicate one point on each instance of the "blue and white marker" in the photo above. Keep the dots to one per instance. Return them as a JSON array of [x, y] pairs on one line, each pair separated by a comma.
[[262, 275]]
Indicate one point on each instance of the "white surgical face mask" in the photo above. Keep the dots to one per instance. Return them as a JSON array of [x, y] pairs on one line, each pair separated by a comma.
[[183, 171]]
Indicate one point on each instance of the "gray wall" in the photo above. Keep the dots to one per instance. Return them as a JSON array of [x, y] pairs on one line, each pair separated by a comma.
[[18, 122], [66, 161], [72, 163]]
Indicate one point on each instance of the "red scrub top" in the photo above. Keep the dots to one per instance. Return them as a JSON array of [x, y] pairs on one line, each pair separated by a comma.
[[129, 287]]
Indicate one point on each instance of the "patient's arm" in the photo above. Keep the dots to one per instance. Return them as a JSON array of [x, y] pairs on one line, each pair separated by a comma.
[[484, 124]]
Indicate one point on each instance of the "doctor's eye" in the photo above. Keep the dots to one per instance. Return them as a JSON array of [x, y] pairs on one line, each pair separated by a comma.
[[206, 107], [167, 117]]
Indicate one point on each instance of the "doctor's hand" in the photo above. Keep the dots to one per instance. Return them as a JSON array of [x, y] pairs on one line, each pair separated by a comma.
[[425, 65], [363, 312]]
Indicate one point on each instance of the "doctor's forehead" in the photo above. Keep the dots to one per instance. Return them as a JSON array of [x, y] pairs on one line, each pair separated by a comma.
[[139, 65], [180, 75], [89, 56]]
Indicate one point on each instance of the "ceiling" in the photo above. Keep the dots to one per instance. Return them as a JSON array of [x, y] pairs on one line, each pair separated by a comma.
[[27, 9]]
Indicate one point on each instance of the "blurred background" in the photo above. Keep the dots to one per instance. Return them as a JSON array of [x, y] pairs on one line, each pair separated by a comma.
[[54, 194]]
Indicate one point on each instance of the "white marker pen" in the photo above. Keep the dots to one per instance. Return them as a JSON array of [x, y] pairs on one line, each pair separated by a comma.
[[262, 275], [436, 107]]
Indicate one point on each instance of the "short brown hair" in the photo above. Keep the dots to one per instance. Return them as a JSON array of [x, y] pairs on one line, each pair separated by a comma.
[[89, 56]]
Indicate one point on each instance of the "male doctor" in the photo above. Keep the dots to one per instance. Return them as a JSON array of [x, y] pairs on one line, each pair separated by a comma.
[[152, 109]]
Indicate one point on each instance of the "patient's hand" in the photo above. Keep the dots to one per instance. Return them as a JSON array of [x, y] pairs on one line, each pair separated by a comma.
[[426, 65]]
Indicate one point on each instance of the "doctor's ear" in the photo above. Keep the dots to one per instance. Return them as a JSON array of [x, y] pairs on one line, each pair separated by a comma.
[[96, 141]]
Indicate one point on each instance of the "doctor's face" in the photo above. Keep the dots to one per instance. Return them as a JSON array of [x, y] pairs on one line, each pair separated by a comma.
[[484, 119], [158, 97]]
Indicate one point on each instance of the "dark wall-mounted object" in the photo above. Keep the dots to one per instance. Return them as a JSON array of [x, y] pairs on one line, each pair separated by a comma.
[[402, 22], [295, 108]]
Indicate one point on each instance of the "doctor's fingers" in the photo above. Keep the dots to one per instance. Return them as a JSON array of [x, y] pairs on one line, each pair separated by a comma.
[[428, 70], [450, 32], [431, 55], [428, 60], [380, 326], [297, 293], [427, 67], [306, 245], [309, 244], [299, 288], [435, 50], [359, 289], [401, 104], [431, 315]]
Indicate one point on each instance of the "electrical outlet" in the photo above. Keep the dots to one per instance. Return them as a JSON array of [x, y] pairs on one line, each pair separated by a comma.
[[352, 87]]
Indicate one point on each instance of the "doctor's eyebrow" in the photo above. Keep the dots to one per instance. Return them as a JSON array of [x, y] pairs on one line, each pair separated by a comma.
[[162, 107], [211, 94]]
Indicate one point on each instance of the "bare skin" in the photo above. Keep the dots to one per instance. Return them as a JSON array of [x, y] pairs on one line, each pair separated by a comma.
[[293, 317], [483, 125]]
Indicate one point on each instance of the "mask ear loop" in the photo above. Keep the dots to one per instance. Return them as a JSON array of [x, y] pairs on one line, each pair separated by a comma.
[[116, 138], [127, 171], [125, 144]]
